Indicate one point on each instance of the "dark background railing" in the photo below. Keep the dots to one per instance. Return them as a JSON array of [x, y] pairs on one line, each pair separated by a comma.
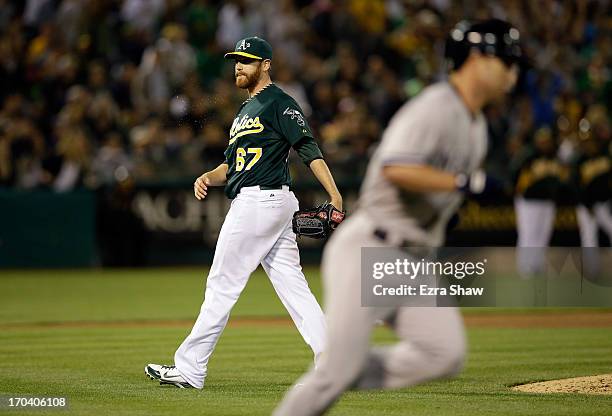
[[161, 223]]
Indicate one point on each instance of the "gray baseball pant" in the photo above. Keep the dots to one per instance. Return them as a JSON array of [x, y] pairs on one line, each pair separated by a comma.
[[432, 342]]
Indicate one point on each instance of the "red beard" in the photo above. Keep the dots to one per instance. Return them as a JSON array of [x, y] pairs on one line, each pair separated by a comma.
[[246, 81]]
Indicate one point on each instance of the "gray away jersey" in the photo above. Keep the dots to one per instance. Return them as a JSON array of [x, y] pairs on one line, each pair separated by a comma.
[[436, 129]]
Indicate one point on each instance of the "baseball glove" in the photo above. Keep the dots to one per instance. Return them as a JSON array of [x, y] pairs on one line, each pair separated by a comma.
[[317, 222]]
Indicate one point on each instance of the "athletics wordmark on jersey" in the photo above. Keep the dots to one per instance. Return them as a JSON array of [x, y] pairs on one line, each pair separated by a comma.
[[243, 126], [539, 170], [593, 168]]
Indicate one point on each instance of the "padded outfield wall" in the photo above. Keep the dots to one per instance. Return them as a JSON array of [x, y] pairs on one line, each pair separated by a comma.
[[163, 224]]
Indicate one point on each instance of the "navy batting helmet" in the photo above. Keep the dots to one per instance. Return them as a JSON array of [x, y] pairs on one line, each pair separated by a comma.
[[492, 37]]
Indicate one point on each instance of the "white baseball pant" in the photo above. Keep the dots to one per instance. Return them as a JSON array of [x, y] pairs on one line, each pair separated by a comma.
[[589, 220], [535, 220], [257, 230]]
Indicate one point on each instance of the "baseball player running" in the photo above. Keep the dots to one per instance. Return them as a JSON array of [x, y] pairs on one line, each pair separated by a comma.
[[428, 158], [257, 229]]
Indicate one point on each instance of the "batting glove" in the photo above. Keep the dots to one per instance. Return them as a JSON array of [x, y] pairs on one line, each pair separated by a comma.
[[477, 183]]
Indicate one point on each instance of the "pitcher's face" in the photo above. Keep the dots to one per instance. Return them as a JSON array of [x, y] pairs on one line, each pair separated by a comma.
[[247, 72]]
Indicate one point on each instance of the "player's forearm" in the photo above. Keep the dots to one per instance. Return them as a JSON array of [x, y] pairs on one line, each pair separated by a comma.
[[321, 172], [217, 176], [420, 178]]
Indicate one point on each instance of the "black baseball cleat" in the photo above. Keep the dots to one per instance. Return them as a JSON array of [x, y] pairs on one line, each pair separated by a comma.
[[167, 375]]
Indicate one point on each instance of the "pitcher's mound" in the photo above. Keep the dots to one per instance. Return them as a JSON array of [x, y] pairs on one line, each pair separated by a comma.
[[601, 384]]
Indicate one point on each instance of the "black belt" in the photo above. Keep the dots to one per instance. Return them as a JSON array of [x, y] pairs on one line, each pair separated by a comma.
[[383, 236], [406, 245], [272, 187]]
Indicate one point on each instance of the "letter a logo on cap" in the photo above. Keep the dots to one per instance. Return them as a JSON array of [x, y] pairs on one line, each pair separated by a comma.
[[253, 47], [243, 45]]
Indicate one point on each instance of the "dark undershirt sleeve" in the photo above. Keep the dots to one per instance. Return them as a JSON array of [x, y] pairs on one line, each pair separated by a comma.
[[308, 150]]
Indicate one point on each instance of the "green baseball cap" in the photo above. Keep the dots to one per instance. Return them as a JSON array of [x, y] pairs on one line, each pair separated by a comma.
[[253, 47]]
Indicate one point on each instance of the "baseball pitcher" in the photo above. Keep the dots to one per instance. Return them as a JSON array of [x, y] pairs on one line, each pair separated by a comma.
[[428, 159], [258, 227]]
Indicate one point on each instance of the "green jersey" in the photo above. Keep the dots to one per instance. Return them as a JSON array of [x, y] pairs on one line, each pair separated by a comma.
[[265, 128]]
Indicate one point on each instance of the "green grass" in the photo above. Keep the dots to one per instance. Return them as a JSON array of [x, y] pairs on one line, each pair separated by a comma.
[[99, 368], [99, 295]]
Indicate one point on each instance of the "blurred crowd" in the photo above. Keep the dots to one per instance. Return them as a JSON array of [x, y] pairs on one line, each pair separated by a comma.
[[95, 91]]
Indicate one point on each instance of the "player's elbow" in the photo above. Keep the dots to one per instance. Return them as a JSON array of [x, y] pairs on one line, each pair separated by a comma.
[[401, 175], [391, 173]]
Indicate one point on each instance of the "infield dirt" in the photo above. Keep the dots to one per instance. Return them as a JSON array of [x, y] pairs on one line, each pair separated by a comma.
[[586, 319], [600, 384]]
